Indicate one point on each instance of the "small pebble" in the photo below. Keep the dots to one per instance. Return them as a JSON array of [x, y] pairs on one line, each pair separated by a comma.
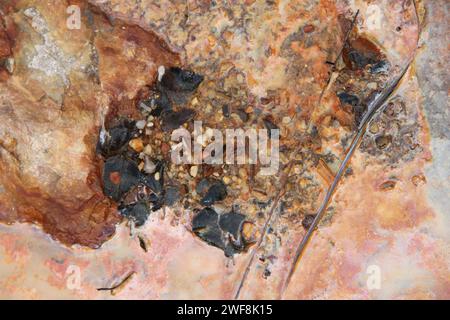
[[148, 150], [308, 28], [149, 166], [137, 145], [383, 142], [243, 173], [418, 179], [248, 229], [388, 185], [9, 65], [372, 85], [140, 124], [307, 221], [193, 171], [374, 128], [161, 71]]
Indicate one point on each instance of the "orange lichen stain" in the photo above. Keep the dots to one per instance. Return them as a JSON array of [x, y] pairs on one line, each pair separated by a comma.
[[399, 210], [392, 215], [16, 251], [311, 277], [315, 58]]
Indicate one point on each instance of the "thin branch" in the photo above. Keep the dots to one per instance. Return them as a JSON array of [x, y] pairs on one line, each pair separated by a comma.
[[120, 285]]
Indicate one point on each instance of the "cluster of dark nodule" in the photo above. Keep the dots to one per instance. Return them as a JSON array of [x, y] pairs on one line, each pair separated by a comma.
[[174, 85], [221, 230], [138, 192], [225, 230], [365, 63]]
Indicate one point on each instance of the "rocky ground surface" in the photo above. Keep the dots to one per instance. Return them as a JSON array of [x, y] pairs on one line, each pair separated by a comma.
[[85, 149]]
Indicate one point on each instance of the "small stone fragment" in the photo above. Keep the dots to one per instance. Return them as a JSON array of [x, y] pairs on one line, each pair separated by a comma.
[[286, 120], [226, 111], [388, 185], [161, 71], [418, 179], [374, 128], [177, 79], [383, 142], [114, 140], [346, 98], [380, 67], [193, 171], [222, 231], [174, 120], [308, 28], [136, 144], [148, 150], [138, 212], [217, 192], [149, 166], [140, 124], [248, 231], [10, 65], [155, 181], [119, 176], [372, 85], [307, 221], [172, 195]]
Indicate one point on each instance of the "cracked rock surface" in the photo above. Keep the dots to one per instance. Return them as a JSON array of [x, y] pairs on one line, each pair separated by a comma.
[[264, 64]]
